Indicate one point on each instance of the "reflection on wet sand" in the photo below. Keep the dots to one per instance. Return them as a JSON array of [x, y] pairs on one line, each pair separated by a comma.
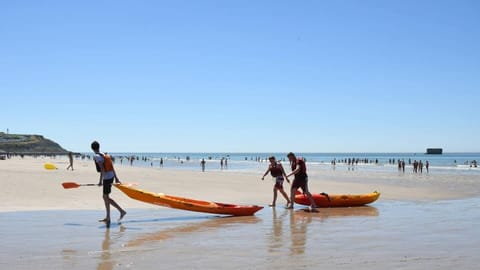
[[277, 230], [298, 232], [205, 226], [287, 233], [360, 211], [445, 235], [299, 221], [106, 262]]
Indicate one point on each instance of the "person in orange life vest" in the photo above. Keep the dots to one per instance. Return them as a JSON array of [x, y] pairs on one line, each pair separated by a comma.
[[299, 169], [276, 170], [104, 166]]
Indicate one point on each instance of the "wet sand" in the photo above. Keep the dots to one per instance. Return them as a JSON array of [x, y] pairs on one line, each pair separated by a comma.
[[390, 235], [415, 225]]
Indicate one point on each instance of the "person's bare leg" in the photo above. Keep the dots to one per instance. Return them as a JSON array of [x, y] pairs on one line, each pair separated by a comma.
[[285, 196], [292, 198], [115, 204], [274, 197], [310, 198], [106, 200]]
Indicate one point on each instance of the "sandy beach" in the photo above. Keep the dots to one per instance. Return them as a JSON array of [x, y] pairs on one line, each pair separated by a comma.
[[41, 189], [45, 226]]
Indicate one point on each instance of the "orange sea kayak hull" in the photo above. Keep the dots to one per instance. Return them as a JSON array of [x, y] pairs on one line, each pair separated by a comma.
[[188, 204], [338, 200]]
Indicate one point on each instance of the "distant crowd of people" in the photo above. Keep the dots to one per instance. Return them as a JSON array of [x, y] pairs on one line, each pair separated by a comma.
[[417, 166], [223, 163], [262, 159], [354, 161]]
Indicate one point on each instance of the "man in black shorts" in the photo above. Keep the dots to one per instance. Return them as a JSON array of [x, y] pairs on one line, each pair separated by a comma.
[[299, 169], [104, 166]]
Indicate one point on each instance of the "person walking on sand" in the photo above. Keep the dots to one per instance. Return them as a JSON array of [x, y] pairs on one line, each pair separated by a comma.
[[276, 170], [107, 172], [202, 163], [299, 169], [70, 159]]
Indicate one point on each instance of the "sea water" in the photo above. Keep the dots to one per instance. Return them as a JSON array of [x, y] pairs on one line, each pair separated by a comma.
[[448, 163]]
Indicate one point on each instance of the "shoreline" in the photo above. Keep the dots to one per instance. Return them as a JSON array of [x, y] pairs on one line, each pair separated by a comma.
[[31, 187]]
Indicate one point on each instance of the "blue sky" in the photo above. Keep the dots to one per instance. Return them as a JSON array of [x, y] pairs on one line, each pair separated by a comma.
[[238, 76]]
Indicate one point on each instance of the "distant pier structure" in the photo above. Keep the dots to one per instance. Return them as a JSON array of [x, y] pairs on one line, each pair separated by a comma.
[[434, 151]]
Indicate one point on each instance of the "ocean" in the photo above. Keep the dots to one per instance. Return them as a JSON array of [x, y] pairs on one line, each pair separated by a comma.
[[462, 163]]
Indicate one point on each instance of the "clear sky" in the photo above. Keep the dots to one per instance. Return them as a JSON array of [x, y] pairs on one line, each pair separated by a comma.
[[239, 76]]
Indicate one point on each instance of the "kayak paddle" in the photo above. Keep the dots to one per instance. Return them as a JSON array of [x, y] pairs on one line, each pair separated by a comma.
[[67, 185]]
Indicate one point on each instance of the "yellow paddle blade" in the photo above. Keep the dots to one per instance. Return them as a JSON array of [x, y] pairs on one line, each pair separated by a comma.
[[50, 166]]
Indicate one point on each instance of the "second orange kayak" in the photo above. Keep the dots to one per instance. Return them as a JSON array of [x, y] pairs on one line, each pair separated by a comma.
[[338, 200], [188, 204]]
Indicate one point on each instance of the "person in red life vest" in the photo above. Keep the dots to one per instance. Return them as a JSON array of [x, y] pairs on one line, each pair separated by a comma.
[[276, 170], [104, 165], [299, 169]]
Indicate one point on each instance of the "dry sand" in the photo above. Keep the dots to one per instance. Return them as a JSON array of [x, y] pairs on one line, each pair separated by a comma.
[[28, 186]]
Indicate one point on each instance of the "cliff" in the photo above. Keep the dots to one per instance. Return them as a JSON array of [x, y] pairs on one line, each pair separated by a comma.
[[29, 144]]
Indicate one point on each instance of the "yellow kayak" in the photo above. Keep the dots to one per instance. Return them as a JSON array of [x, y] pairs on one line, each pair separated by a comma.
[[188, 204], [338, 200], [49, 166]]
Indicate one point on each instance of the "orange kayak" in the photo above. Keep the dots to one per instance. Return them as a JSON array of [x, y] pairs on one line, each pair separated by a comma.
[[188, 204], [338, 200]]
